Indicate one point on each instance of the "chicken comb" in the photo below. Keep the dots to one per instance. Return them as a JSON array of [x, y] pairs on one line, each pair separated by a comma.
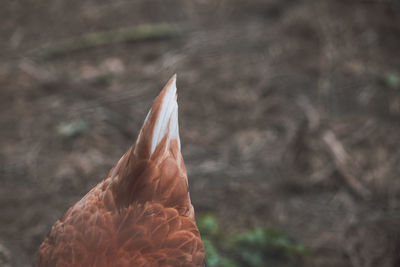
[[140, 214]]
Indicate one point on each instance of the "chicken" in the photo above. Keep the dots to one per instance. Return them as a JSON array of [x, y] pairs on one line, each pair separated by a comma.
[[141, 213]]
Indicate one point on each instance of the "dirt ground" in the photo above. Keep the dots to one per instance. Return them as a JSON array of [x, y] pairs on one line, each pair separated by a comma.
[[289, 112]]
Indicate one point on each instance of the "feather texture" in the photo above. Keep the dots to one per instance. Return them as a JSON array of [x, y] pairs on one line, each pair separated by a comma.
[[140, 214]]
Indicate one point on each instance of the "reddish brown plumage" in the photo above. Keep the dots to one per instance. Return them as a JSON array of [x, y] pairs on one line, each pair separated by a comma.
[[140, 215]]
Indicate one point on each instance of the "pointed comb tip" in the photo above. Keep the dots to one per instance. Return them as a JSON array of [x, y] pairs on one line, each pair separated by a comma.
[[164, 114], [171, 85]]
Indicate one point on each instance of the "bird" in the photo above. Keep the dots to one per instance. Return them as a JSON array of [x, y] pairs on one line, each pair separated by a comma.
[[139, 215]]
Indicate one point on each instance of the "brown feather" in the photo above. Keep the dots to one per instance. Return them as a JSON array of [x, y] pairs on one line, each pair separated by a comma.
[[139, 215]]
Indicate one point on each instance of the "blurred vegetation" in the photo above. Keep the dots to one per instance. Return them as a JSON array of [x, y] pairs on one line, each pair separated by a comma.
[[392, 80], [253, 247], [72, 128]]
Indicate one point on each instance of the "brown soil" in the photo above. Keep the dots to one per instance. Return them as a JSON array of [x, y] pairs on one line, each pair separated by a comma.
[[287, 116]]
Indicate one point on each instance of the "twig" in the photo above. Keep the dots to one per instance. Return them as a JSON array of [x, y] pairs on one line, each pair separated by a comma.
[[342, 161], [97, 39], [312, 115]]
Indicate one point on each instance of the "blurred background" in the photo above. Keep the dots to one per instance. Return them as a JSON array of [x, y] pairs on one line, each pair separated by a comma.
[[289, 112]]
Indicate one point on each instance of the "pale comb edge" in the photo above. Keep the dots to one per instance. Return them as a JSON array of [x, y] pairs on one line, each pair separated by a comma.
[[167, 121]]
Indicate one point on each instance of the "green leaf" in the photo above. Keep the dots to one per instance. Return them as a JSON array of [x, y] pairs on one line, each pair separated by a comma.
[[213, 258], [72, 128], [392, 80], [255, 247], [208, 225]]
